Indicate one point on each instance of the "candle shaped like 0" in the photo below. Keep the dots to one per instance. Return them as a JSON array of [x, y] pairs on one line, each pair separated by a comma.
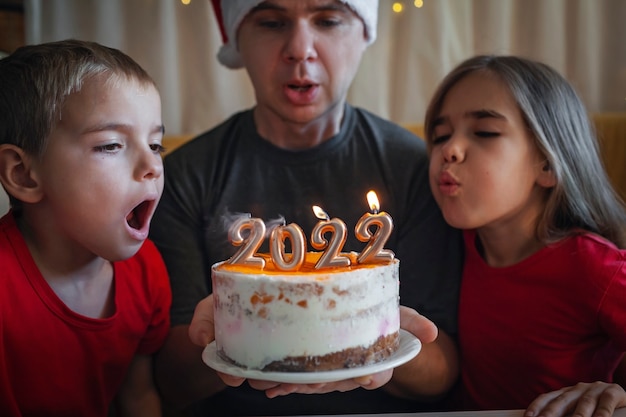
[[250, 244], [332, 249], [374, 251], [294, 233]]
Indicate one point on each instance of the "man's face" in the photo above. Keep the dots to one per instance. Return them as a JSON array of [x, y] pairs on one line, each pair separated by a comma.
[[301, 56]]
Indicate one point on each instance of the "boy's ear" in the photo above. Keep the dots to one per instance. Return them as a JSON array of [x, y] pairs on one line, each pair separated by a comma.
[[546, 177], [16, 174]]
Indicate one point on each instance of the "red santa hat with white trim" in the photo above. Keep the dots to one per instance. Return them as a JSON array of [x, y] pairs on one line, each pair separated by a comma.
[[230, 14]]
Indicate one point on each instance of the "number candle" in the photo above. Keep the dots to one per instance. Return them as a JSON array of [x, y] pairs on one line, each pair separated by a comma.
[[250, 244], [332, 249], [294, 233], [374, 251]]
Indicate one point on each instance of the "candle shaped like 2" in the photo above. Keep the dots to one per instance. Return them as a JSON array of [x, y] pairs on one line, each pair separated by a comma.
[[374, 251], [250, 244], [332, 249], [294, 233]]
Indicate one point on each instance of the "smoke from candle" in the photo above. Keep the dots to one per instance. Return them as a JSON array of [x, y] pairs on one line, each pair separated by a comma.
[[228, 219]]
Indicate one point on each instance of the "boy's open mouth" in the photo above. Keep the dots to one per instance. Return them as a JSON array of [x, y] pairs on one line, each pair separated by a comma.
[[137, 217]]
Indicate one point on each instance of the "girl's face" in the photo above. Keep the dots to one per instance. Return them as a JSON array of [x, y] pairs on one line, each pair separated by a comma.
[[485, 170], [101, 174]]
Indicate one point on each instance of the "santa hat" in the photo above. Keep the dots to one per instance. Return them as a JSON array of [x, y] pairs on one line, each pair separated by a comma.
[[230, 14]]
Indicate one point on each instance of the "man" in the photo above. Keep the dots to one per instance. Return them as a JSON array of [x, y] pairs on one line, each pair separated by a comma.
[[303, 145]]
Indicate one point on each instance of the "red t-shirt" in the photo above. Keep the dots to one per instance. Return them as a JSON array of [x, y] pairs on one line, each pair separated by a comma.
[[55, 362], [552, 320]]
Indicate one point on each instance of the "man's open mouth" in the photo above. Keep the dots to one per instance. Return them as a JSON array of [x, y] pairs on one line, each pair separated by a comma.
[[301, 88]]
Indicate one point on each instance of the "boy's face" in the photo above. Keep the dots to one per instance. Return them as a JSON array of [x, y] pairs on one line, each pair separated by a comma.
[[102, 172]]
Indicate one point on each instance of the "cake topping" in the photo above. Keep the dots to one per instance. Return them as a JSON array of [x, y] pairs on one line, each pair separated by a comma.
[[281, 259], [249, 233], [246, 255], [374, 251], [332, 248]]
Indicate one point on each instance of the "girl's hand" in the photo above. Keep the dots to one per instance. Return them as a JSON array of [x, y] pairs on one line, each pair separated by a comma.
[[597, 399]]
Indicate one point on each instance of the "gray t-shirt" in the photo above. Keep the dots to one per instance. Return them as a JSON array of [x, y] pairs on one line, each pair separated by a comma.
[[231, 169]]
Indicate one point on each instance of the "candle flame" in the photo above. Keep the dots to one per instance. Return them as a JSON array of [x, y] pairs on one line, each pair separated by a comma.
[[372, 200], [320, 213]]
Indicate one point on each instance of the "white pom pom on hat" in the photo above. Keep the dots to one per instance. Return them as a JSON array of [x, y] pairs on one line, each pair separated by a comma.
[[230, 14]]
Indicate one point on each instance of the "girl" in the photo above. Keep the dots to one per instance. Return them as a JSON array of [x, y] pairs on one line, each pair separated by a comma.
[[515, 163]]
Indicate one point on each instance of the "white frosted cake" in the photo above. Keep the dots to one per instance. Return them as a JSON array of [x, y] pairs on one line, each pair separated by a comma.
[[309, 320]]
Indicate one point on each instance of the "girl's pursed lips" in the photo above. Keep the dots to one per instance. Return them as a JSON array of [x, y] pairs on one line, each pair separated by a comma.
[[446, 178]]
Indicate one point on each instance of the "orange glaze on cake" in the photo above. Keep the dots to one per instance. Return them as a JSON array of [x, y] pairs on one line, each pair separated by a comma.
[[308, 267]]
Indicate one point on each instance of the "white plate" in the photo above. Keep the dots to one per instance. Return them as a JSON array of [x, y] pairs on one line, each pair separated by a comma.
[[409, 348]]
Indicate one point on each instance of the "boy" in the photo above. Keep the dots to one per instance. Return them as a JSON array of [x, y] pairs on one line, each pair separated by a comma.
[[85, 297]]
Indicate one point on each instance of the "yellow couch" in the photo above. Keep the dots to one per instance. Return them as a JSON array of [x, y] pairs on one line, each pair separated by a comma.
[[611, 129]]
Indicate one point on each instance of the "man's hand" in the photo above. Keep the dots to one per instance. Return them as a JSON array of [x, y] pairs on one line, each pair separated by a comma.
[[202, 327]]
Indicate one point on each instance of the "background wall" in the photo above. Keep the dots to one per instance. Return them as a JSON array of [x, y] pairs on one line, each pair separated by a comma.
[[11, 37], [177, 43], [11, 25], [584, 39]]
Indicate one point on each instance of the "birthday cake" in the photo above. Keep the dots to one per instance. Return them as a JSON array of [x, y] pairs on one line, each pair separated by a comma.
[[306, 320]]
